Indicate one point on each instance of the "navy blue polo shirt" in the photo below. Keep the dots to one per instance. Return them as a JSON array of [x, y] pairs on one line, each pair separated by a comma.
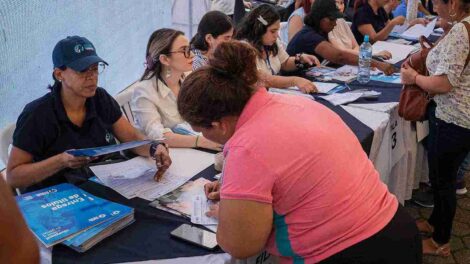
[[306, 41], [43, 129], [365, 15]]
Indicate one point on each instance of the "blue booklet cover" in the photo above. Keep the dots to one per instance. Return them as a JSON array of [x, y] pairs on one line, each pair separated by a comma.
[[118, 212], [59, 212], [98, 151]]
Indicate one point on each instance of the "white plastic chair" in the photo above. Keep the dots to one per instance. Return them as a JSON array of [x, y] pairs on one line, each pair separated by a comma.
[[124, 98], [6, 139]]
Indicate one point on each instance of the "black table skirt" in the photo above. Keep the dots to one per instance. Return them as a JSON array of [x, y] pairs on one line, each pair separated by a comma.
[[147, 238]]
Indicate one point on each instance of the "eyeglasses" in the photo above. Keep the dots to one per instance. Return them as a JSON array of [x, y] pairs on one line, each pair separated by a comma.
[[186, 50], [94, 69]]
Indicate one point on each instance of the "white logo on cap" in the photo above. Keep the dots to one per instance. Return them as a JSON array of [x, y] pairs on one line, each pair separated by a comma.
[[78, 48]]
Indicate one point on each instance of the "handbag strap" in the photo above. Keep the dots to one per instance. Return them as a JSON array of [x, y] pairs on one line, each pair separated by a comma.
[[467, 26]]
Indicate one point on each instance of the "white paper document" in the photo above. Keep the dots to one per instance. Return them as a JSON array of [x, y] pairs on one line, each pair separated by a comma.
[[399, 29], [399, 52], [200, 206], [342, 98], [292, 91], [134, 178], [418, 30], [323, 87]]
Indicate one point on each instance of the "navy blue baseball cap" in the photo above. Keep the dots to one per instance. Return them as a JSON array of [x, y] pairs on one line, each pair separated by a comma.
[[75, 52]]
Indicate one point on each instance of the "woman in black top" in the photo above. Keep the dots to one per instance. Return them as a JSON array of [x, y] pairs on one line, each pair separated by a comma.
[[74, 114], [313, 38], [370, 18]]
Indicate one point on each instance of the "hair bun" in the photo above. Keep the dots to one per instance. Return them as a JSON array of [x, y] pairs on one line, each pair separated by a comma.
[[235, 59]]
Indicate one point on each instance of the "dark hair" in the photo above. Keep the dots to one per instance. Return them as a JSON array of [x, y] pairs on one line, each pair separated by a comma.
[[306, 6], [320, 9], [215, 23], [221, 88], [252, 29], [56, 83], [359, 3], [159, 43]]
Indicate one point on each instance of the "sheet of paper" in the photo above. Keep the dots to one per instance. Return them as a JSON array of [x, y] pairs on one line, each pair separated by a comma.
[[400, 41], [399, 52], [134, 178], [180, 200], [94, 152], [200, 206], [414, 32], [399, 29], [188, 162], [325, 87], [292, 91], [342, 98]]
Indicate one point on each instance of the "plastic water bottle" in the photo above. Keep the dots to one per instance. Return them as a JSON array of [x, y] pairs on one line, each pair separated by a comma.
[[365, 57]]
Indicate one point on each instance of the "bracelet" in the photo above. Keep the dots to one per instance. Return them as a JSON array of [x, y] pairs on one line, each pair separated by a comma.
[[154, 146], [197, 138], [298, 61]]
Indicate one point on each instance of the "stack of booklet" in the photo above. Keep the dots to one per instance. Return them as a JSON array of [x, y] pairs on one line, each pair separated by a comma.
[[65, 213]]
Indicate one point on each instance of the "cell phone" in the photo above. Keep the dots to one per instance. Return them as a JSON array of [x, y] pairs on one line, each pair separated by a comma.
[[196, 236]]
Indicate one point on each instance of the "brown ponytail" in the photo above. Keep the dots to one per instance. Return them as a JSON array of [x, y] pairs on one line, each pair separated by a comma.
[[222, 88]]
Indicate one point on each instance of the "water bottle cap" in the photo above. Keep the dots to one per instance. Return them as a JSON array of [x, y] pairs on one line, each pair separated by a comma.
[[366, 38]]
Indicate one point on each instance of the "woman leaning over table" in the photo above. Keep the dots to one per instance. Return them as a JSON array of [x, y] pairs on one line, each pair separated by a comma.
[[75, 114], [370, 18], [215, 27], [449, 120], [261, 28], [154, 99], [312, 39], [295, 195]]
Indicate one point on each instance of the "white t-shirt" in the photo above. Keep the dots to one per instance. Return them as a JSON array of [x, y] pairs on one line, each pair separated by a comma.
[[342, 35], [272, 65], [224, 6]]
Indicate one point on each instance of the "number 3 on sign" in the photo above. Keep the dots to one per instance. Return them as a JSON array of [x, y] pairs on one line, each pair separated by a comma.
[[397, 144]]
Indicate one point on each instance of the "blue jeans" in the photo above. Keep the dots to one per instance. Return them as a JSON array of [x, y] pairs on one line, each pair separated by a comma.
[[448, 144], [464, 168]]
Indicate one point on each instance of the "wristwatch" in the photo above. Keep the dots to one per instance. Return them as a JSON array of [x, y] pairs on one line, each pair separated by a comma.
[[154, 146]]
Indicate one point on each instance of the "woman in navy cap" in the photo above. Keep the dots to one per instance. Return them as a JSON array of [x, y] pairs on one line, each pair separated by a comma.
[[75, 114]]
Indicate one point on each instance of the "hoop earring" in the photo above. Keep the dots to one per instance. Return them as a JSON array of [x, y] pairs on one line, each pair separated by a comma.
[[168, 73], [453, 15]]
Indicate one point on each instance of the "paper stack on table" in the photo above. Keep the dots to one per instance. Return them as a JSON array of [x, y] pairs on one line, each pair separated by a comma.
[[399, 52]]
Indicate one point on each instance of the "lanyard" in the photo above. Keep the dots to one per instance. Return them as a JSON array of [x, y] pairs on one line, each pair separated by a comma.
[[268, 62]]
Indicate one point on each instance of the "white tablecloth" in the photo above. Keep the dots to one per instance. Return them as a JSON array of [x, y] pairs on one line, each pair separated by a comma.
[[396, 153]]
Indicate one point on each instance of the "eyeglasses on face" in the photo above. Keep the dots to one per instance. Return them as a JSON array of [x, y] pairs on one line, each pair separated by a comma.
[[93, 69], [186, 50]]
